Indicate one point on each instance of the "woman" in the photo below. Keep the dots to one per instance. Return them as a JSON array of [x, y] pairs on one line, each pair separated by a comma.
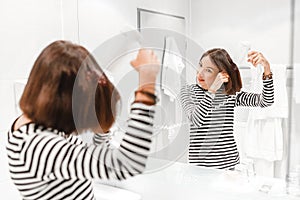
[[65, 89], [209, 105]]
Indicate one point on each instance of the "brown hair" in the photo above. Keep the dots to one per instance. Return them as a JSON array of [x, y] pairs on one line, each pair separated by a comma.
[[223, 61], [64, 91]]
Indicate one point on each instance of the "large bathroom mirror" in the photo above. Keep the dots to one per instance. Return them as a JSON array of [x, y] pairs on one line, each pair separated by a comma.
[[235, 26]]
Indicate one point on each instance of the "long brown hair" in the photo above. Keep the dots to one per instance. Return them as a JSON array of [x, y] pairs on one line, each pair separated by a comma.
[[48, 98], [223, 61]]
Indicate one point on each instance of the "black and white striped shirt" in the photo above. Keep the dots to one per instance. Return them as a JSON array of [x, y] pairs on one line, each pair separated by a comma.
[[212, 142], [45, 164]]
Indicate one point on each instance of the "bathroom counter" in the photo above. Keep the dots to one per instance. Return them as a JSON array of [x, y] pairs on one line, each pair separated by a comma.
[[165, 180]]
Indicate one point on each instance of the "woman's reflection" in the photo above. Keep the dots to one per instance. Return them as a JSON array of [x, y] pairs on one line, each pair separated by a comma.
[[209, 105]]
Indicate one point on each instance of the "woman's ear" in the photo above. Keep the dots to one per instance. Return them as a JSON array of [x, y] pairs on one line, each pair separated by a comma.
[[224, 73]]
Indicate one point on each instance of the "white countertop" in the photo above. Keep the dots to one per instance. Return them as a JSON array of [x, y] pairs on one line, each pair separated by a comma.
[[185, 182]]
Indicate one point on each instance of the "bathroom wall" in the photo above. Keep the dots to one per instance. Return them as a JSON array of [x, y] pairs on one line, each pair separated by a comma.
[[26, 28], [264, 24], [98, 21]]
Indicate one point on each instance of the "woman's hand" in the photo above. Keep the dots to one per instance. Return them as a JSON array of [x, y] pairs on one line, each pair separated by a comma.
[[147, 65], [221, 78], [257, 58], [145, 57]]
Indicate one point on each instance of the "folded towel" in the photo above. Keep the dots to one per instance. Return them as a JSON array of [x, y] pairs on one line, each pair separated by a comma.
[[264, 138]]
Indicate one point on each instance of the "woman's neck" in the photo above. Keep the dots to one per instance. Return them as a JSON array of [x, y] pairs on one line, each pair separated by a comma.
[[21, 121]]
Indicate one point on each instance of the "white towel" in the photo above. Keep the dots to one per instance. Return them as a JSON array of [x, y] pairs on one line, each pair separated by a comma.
[[296, 82], [264, 138], [171, 70], [279, 109]]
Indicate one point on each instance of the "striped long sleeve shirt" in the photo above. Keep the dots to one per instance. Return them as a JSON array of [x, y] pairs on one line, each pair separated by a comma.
[[211, 117], [47, 164]]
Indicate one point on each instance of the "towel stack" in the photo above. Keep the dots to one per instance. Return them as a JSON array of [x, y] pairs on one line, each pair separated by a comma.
[[264, 139]]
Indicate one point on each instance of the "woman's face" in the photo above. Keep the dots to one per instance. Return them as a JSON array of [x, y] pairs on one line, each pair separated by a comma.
[[207, 72]]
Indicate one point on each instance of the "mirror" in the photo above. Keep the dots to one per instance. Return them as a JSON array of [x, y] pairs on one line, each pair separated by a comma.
[[193, 26], [236, 27]]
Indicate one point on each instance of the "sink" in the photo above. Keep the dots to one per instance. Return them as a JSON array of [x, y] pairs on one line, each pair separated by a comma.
[[107, 192]]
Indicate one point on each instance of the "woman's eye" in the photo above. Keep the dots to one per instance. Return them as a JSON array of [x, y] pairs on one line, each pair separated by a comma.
[[208, 70]]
